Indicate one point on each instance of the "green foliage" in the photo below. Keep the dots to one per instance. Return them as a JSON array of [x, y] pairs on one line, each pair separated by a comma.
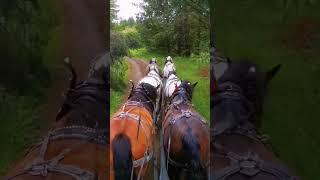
[[119, 47], [118, 75], [132, 37], [255, 30], [119, 79], [24, 32], [19, 127], [175, 26]]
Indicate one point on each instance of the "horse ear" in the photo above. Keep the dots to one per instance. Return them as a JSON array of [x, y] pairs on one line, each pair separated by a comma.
[[272, 72], [132, 84], [229, 60], [194, 85]]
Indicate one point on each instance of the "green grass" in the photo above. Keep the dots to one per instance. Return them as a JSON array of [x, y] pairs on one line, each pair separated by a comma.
[[188, 68], [19, 115], [255, 30], [19, 127], [119, 79]]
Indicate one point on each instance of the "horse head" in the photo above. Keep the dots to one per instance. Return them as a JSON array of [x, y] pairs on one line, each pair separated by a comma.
[[99, 70], [144, 92], [85, 102], [250, 81], [169, 67], [153, 67], [184, 90], [168, 59]]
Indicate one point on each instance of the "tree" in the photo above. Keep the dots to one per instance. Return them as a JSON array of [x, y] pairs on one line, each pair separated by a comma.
[[175, 26]]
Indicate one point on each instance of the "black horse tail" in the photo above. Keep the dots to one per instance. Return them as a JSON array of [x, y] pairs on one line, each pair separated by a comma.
[[191, 148], [122, 157]]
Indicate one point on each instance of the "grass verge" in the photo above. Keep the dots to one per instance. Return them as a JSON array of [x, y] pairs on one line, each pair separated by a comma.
[[119, 79]]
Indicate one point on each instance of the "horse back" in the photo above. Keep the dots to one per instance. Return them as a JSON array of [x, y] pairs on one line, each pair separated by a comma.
[[227, 149], [140, 135], [83, 155]]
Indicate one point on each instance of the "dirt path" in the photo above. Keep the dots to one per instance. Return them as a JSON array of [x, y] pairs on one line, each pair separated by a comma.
[[137, 69], [82, 38]]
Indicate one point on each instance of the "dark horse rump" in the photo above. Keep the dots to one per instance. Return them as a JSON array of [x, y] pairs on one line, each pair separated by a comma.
[[238, 150], [185, 136]]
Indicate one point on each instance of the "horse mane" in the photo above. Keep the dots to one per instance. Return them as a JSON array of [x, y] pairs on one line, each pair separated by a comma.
[[85, 103], [251, 83], [88, 112], [145, 91]]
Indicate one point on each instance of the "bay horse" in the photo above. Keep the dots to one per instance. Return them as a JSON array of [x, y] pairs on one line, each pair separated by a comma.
[[238, 150], [132, 132], [185, 136], [77, 146]]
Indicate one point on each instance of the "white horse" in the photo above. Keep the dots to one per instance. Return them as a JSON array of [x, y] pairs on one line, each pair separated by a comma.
[[153, 78], [171, 80], [169, 66]]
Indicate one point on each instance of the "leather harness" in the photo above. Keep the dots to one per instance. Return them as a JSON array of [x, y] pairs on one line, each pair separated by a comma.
[[40, 166], [184, 114], [249, 164]]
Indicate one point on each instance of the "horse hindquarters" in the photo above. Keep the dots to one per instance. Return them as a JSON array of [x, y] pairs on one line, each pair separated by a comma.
[[122, 157]]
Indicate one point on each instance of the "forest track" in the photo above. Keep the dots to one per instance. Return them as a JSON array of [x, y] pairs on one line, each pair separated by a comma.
[[136, 71], [82, 38]]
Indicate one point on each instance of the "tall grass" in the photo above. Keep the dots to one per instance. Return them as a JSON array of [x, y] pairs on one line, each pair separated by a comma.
[[20, 125], [191, 68], [25, 75], [119, 79]]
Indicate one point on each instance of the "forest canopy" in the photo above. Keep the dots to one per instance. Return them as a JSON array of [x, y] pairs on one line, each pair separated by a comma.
[[171, 26]]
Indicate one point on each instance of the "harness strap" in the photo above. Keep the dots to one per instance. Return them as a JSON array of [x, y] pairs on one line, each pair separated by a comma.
[[41, 167], [249, 165], [147, 156], [187, 114]]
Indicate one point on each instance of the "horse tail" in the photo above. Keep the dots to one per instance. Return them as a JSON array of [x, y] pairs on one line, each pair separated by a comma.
[[122, 157], [191, 148]]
